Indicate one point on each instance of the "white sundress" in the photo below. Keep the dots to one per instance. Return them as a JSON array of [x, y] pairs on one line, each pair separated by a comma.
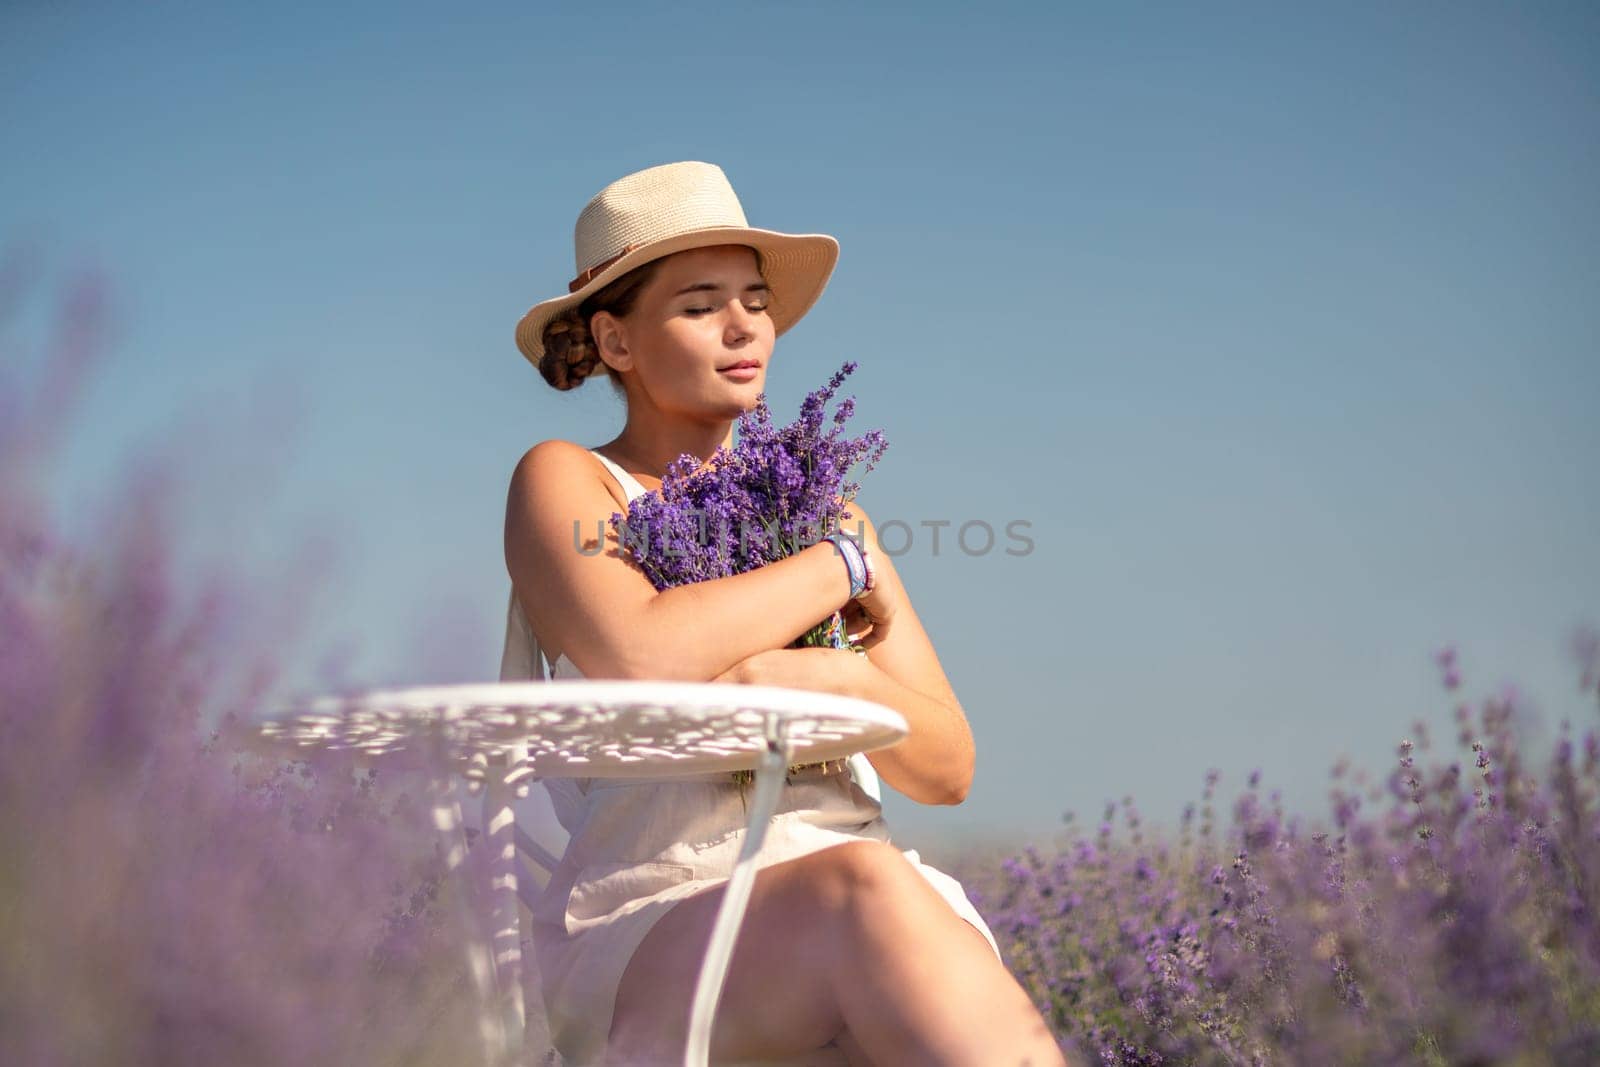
[[636, 847]]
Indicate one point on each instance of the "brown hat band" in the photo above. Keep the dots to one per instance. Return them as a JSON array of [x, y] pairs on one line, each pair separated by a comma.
[[588, 275]]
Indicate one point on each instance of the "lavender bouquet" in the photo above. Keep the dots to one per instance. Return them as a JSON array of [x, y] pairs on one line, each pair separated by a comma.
[[775, 492], [778, 490]]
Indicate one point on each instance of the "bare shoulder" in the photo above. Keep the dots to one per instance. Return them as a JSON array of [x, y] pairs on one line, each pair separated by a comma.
[[855, 522], [550, 460], [555, 484], [553, 471], [858, 524], [853, 513], [579, 593]]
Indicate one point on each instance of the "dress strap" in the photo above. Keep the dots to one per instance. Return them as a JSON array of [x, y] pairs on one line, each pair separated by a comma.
[[522, 658], [630, 485]]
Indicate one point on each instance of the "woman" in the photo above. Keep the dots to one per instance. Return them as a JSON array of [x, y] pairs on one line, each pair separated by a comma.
[[848, 943]]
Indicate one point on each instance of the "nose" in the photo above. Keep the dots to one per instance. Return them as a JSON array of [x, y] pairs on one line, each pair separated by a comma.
[[741, 322]]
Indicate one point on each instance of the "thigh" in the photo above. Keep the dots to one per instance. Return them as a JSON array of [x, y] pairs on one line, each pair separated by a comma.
[[780, 997]]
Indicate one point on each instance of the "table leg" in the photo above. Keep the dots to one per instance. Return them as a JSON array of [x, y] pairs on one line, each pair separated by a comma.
[[480, 959], [499, 828], [736, 896]]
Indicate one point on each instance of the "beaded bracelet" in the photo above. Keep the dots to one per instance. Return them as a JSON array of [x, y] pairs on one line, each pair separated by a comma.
[[866, 562]]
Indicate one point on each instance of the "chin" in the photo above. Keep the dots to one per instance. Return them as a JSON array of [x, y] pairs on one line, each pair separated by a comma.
[[731, 410]]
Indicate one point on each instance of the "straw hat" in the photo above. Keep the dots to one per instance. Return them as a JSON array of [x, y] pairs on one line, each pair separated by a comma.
[[655, 212]]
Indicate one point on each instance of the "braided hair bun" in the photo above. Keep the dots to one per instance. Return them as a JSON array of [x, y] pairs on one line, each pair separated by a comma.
[[570, 354]]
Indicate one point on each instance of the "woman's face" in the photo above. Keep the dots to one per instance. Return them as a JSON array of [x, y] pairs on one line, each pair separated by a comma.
[[704, 311]]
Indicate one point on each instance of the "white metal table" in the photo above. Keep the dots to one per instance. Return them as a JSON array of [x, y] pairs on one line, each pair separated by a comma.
[[502, 735]]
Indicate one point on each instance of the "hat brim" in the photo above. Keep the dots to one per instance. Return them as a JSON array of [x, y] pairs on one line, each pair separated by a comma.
[[796, 266]]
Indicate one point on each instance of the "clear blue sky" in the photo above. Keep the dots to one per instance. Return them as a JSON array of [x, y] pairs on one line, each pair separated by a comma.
[[1278, 326]]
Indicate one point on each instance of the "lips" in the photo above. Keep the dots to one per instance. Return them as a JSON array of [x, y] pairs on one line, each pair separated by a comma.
[[741, 365]]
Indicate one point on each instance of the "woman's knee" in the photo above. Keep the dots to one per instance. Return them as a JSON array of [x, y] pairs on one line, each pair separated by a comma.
[[860, 873]]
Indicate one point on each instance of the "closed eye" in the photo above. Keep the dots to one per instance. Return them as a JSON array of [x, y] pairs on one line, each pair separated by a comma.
[[703, 311]]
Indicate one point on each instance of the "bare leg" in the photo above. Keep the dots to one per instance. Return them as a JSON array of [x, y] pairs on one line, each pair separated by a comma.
[[928, 989], [848, 943]]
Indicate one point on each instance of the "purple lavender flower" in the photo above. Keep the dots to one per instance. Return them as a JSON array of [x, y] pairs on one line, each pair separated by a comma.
[[1400, 934], [169, 895], [778, 490]]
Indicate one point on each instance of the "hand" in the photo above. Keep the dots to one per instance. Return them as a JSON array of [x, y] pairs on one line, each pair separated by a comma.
[[874, 612], [859, 628]]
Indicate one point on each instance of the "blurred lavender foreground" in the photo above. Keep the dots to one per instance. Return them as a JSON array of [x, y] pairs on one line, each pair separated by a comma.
[[1459, 923], [167, 897]]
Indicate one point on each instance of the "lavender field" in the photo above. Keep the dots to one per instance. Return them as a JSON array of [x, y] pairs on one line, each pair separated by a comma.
[[169, 895], [1446, 915]]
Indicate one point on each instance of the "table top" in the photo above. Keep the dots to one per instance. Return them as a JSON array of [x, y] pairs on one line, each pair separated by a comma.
[[591, 728]]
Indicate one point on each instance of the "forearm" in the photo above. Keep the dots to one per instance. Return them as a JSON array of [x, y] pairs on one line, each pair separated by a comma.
[[696, 632], [934, 764]]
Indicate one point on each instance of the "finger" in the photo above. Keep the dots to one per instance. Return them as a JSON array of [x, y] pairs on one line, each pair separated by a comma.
[[874, 637]]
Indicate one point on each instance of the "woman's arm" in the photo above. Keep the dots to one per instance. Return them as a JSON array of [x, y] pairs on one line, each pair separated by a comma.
[[934, 764], [586, 599]]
